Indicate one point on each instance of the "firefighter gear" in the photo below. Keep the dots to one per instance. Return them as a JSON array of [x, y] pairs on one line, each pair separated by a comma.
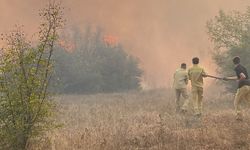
[[180, 85], [196, 75]]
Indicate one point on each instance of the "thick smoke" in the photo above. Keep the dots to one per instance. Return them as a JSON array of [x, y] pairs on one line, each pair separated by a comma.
[[161, 33]]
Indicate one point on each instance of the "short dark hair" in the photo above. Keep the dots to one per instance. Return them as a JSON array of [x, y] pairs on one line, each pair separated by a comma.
[[195, 60], [183, 65], [236, 60]]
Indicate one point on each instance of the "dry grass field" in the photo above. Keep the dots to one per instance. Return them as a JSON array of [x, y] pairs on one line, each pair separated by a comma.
[[145, 120]]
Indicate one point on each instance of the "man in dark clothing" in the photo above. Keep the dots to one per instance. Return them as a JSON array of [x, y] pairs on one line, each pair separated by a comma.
[[243, 91]]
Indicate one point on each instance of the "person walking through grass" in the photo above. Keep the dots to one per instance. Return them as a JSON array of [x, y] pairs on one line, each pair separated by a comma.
[[243, 91], [196, 75], [180, 85]]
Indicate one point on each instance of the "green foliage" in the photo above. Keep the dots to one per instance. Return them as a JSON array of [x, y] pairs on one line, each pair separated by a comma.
[[25, 103], [230, 33], [95, 66]]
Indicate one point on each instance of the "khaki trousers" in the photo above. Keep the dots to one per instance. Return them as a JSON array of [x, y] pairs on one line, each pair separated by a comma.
[[197, 96], [180, 92], [243, 93]]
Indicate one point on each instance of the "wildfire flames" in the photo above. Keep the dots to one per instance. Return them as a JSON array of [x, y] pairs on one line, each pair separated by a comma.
[[110, 40], [68, 46]]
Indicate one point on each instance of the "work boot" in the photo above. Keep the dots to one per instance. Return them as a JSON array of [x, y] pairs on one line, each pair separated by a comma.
[[183, 111], [198, 115], [239, 117]]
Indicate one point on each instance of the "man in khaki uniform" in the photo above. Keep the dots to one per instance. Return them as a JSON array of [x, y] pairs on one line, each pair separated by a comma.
[[196, 75], [180, 85], [243, 91]]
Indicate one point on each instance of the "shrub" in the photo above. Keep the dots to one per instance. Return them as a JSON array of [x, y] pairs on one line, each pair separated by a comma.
[[26, 69]]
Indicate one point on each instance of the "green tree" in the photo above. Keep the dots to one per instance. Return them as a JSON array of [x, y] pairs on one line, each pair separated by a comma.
[[230, 33], [26, 68], [95, 66]]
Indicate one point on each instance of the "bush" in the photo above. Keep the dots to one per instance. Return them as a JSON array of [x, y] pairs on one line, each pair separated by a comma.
[[25, 103]]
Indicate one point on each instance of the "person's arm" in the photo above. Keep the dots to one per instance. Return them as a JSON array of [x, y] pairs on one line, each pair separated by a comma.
[[189, 75], [242, 76], [174, 75], [204, 74], [186, 79], [231, 78], [239, 71]]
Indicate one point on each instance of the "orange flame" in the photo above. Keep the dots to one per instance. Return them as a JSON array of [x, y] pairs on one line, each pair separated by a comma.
[[68, 46], [110, 40]]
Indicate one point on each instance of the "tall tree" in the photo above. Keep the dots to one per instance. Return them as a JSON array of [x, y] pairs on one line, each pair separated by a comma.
[[230, 33], [26, 69]]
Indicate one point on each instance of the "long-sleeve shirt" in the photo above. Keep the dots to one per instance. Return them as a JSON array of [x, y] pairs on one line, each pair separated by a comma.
[[180, 79], [196, 74]]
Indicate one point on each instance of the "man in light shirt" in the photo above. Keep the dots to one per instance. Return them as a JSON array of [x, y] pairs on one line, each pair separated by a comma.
[[180, 85]]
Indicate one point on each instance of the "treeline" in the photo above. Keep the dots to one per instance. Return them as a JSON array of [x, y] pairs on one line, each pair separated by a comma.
[[89, 64]]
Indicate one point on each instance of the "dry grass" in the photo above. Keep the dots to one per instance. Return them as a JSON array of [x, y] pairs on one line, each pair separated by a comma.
[[145, 120]]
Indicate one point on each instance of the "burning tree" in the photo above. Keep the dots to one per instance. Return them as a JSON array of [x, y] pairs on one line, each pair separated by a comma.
[[25, 103], [110, 40], [97, 64]]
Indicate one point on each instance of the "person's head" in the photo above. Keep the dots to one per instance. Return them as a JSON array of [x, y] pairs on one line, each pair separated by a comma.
[[195, 60], [184, 66], [236, 60]]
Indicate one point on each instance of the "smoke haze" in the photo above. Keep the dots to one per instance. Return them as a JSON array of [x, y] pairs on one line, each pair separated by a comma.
[[161, 33]]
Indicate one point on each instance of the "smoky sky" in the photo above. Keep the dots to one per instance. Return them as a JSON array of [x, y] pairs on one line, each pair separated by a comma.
[[161, 33]]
